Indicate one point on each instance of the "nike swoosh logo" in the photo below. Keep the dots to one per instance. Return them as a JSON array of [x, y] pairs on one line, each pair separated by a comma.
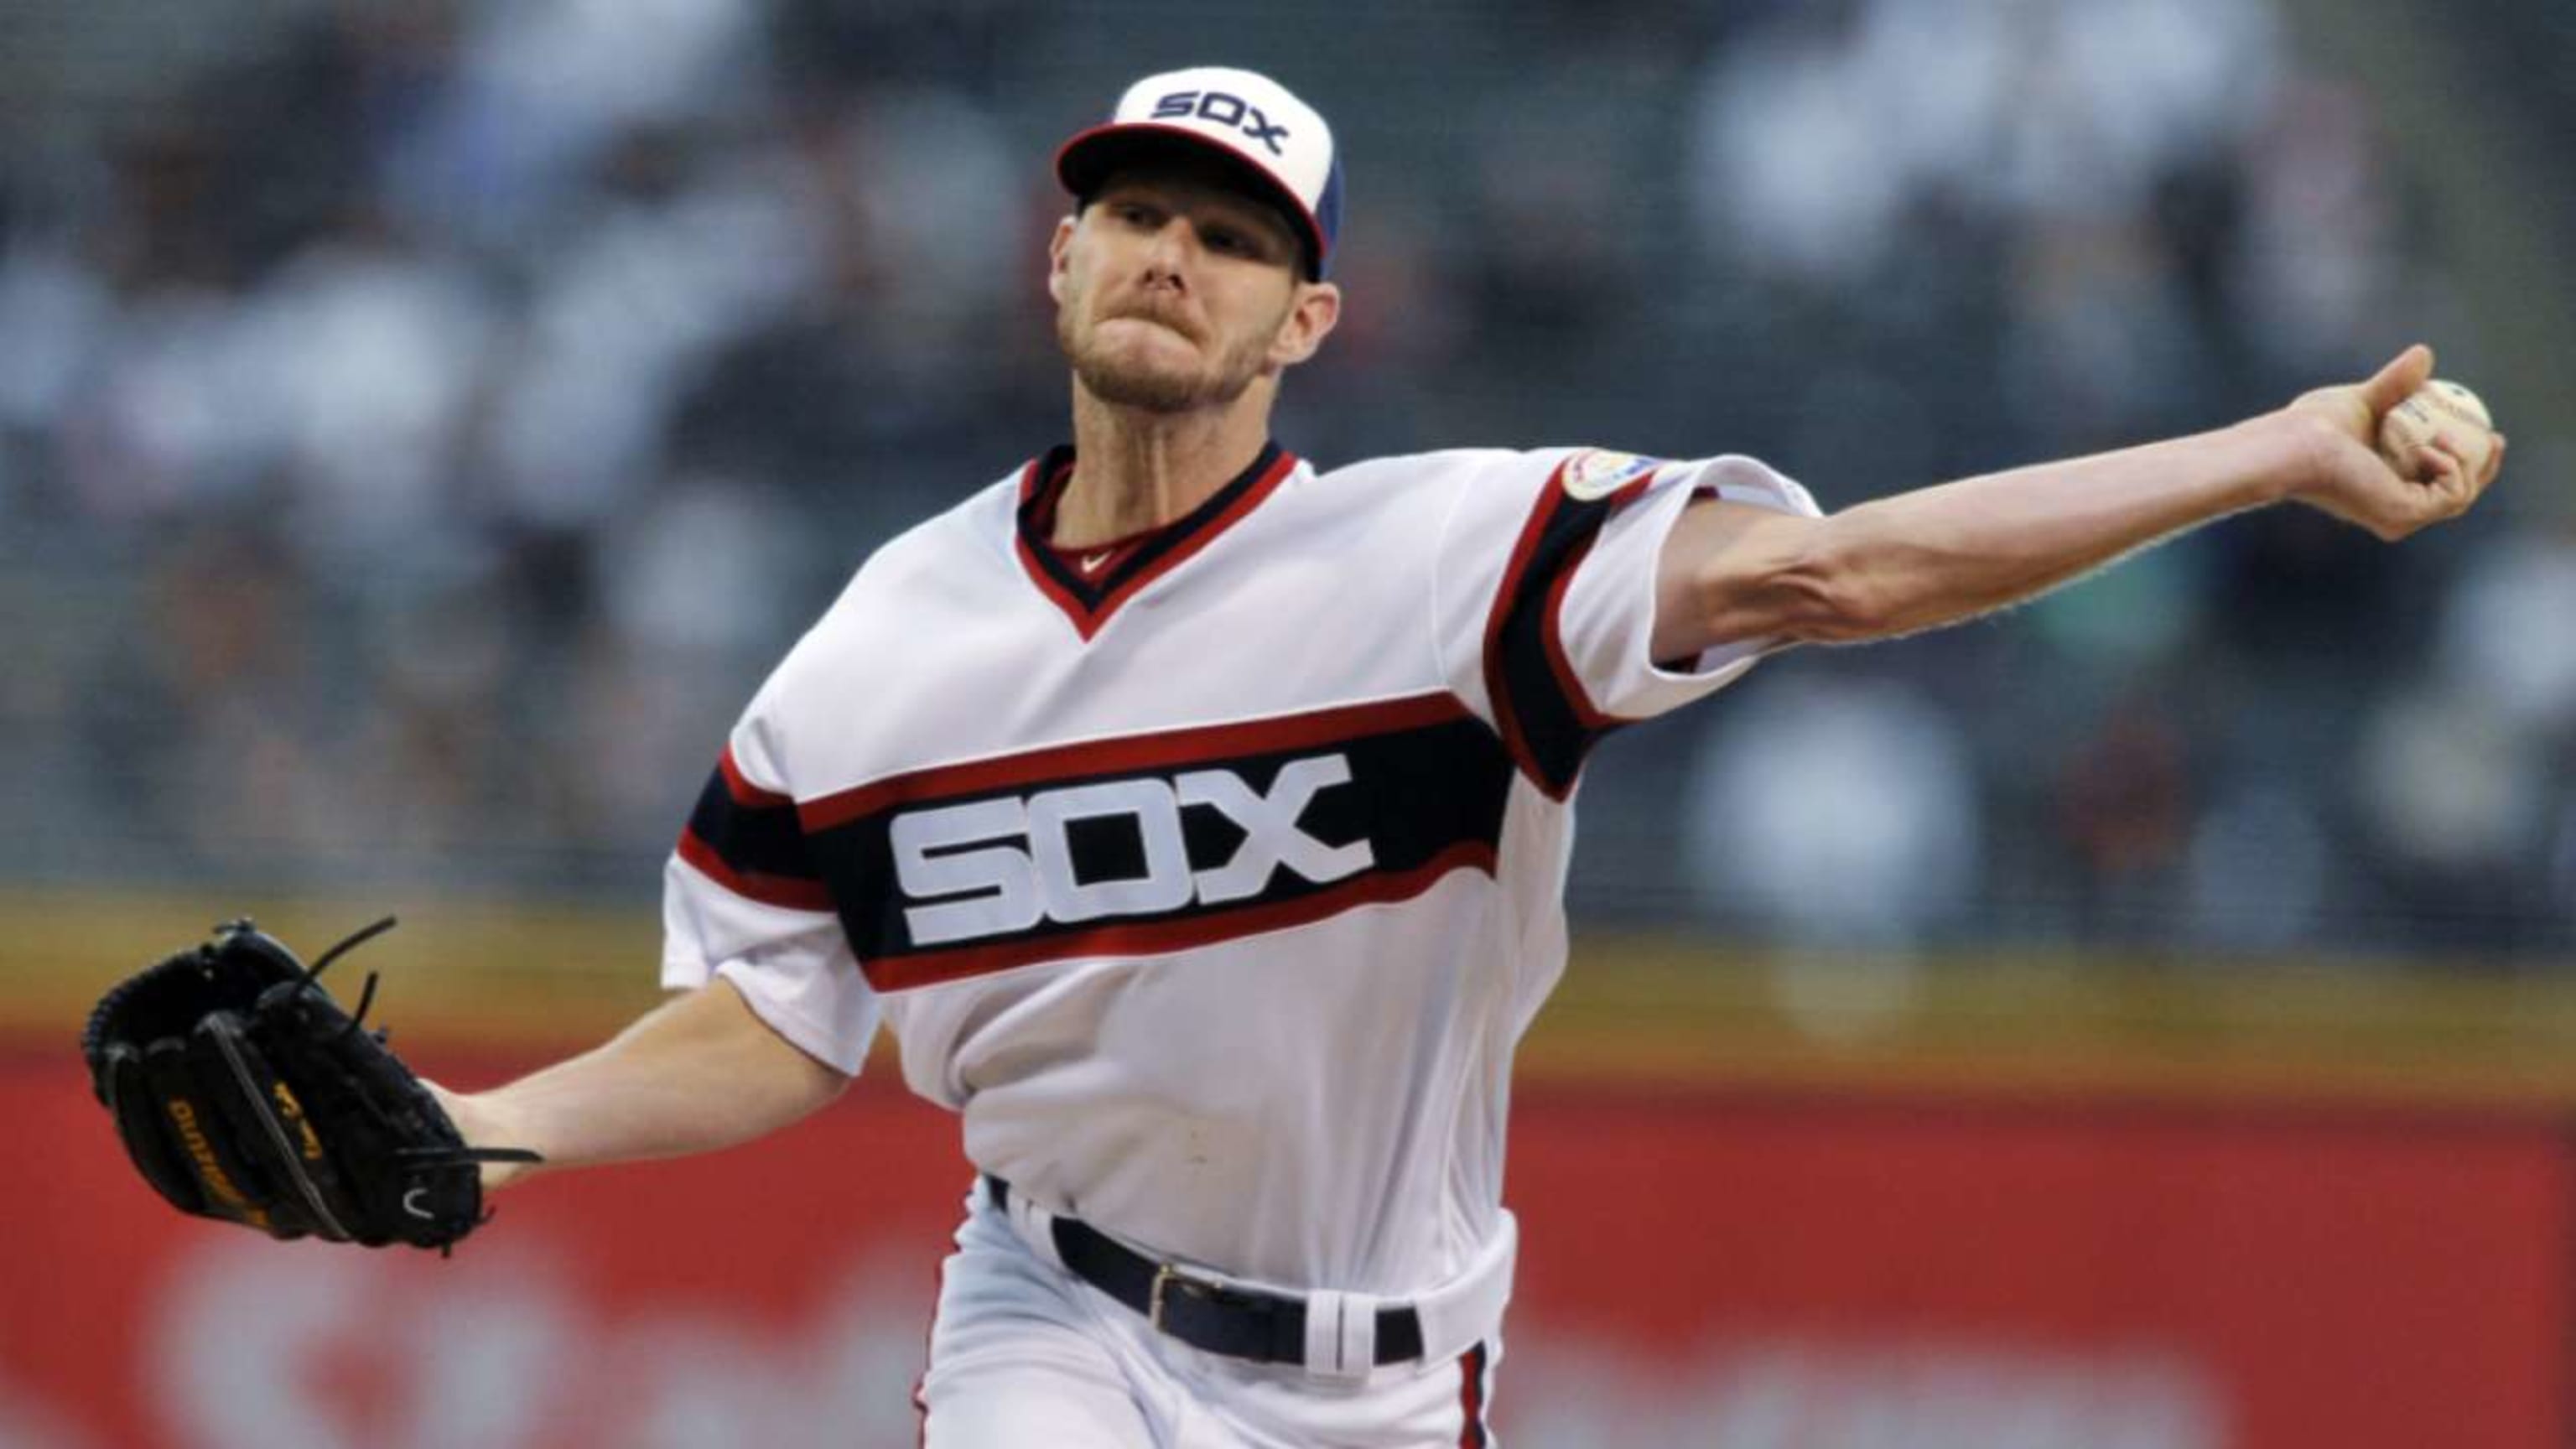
[[1091, 562], [415, 1209]]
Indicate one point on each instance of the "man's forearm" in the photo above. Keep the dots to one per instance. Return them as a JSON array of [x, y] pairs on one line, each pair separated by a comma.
[[1949, 552], [1732, 572], [1952, 551], [698, 1073]]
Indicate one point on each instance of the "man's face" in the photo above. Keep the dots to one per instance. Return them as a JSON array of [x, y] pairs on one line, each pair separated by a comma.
[[1174, 291]]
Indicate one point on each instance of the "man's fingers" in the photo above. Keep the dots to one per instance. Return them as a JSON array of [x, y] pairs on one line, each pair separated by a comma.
[[2447, 475], [2398, 381]]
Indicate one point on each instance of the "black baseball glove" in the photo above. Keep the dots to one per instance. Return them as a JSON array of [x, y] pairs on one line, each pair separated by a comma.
[[243, 1092]]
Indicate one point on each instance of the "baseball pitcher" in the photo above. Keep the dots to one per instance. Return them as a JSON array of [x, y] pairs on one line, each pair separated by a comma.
[[1196, 819]]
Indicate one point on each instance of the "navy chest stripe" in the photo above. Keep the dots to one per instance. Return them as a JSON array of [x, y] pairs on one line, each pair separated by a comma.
[[1128, 753], [1179, 933], [1156, 843]]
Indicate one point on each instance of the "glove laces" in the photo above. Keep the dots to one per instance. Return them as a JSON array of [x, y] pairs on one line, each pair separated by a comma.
[[366, 994]]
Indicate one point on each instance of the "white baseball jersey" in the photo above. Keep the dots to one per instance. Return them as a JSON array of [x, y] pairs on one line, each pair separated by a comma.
[[1211, 879]]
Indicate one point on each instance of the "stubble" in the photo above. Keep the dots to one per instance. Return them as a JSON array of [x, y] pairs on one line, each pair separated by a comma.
[[1124, 381]]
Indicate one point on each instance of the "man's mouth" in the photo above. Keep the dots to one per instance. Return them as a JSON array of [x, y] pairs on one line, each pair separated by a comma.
[[1159, 317]]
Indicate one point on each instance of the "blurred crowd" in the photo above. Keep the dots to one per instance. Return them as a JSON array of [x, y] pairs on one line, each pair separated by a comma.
[[421, 425]]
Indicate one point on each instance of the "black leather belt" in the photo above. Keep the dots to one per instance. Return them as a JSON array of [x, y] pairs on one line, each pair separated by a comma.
[[1237, 1322]]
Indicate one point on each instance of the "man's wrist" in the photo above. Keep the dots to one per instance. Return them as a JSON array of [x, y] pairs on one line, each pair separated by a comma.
[[483, 1120], [496, 1126], [2283, 453]]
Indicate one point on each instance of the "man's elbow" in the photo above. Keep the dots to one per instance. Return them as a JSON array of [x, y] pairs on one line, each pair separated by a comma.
[[1815, 595]]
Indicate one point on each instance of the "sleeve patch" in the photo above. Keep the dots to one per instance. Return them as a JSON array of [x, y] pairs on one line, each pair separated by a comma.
[[1596, 473]]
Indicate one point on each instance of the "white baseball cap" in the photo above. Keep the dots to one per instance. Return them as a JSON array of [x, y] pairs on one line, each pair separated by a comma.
[[1238, 115]]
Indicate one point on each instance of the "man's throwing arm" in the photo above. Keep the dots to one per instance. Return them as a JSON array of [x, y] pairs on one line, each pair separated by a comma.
[[1730, 572]]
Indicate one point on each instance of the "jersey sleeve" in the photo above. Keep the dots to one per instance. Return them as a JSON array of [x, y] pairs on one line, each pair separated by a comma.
[[1545, 596], [744, 898], [1608, 614]]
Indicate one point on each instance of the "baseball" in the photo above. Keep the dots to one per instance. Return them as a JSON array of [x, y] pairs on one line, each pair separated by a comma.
[[2438, 410]]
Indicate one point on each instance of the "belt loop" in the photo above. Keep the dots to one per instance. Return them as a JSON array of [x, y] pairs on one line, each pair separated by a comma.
[[1034, 1224], [1341, 1336]]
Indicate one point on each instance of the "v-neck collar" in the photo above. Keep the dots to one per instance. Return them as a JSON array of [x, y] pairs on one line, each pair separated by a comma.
[[1089, 599]]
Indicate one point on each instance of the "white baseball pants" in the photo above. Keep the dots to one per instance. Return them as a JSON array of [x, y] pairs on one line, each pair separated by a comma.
[[1024, 1354]]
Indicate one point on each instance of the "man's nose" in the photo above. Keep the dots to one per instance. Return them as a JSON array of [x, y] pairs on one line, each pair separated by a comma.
[[1167, 255]]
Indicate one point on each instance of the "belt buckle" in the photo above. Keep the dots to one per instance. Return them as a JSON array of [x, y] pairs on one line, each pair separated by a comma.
[[1164, 1273]]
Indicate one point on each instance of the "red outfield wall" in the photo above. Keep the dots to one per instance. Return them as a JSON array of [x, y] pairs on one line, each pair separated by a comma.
[[1737, 1271]]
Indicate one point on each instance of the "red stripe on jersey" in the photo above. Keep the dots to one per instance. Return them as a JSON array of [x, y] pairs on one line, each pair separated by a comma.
[[1471, 1398], [768, 890], [1561, 565], [1552, 635], [1170, 749], [1066, 600], [1198, 538], [1155, 938], [1497, 691], [1191, 536], [743, 791]]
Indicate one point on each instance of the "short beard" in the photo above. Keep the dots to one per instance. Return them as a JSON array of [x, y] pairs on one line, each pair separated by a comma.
[[1160, 392]]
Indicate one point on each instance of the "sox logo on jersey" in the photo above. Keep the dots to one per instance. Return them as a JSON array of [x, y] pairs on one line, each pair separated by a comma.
[[1153, 841], [1026, 865]]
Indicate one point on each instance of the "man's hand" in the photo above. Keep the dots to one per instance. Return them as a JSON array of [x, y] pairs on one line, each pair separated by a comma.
[[2346, 476]]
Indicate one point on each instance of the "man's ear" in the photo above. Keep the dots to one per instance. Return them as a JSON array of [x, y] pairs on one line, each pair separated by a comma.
[[1311, 318], [1059, 251]]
